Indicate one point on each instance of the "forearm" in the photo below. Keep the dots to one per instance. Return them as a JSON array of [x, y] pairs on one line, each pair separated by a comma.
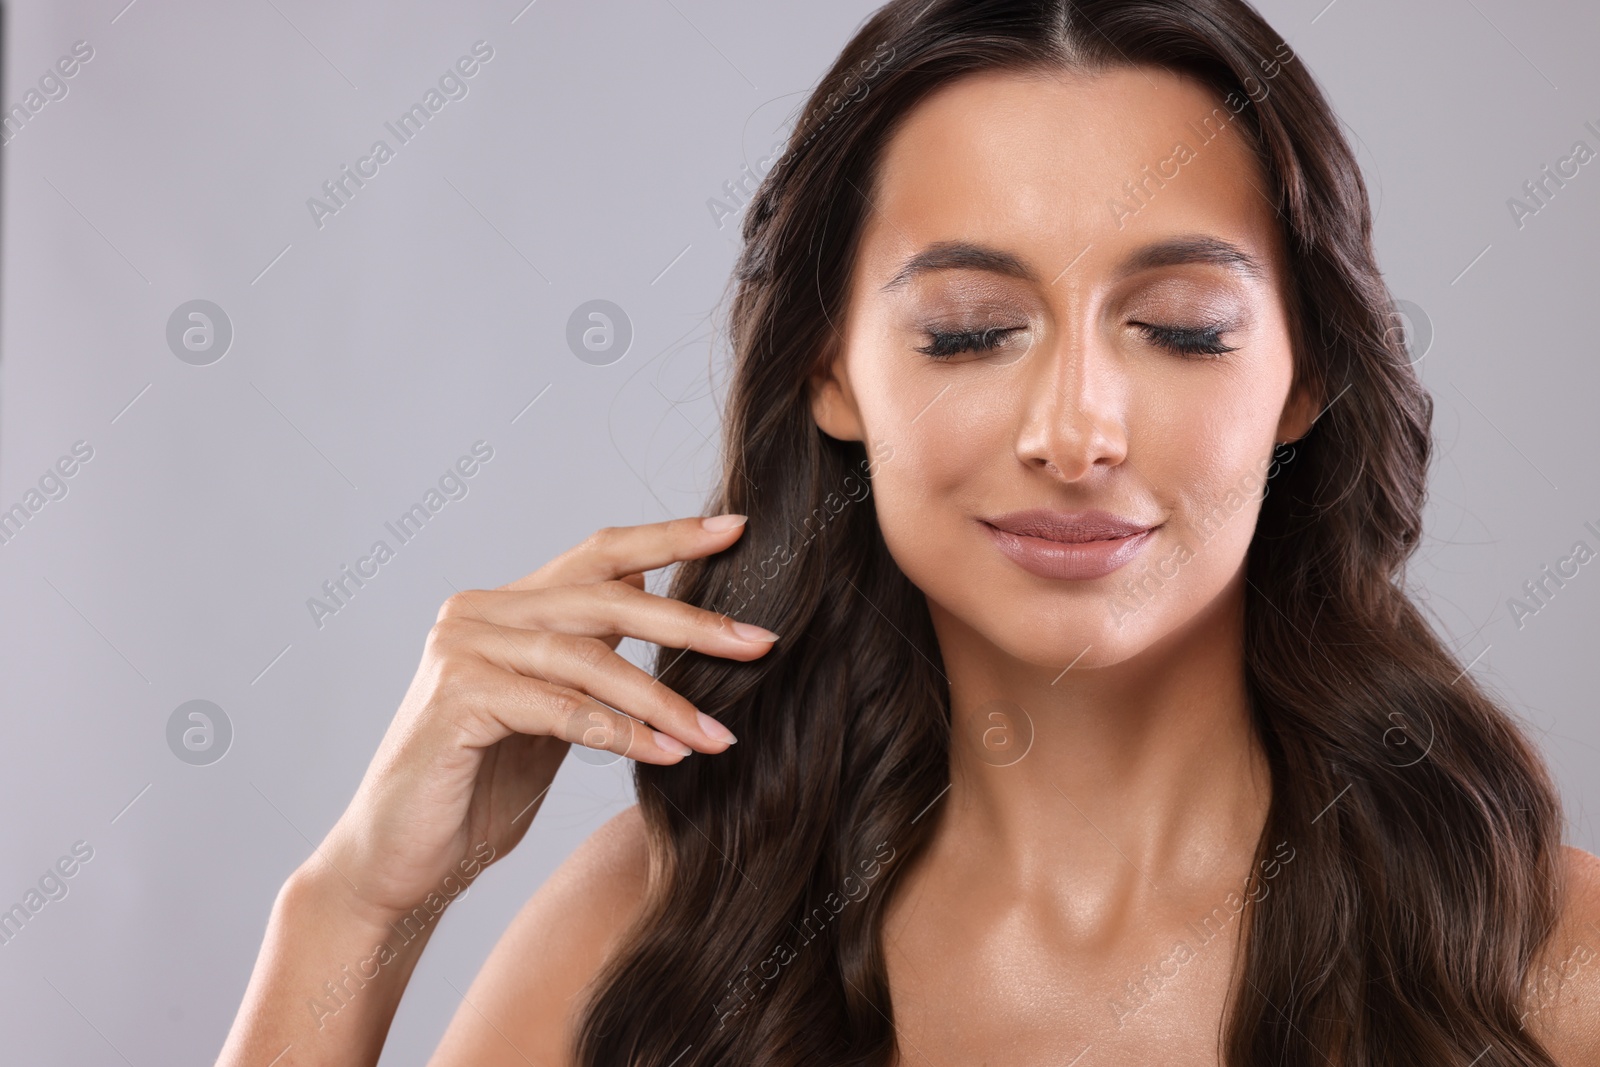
[[327, 981]]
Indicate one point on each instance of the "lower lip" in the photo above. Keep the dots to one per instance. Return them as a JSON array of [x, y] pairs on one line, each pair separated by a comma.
[[1077, 560]]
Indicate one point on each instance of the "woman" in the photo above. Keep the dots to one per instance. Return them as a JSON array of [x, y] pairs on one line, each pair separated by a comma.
[[1080, 467]]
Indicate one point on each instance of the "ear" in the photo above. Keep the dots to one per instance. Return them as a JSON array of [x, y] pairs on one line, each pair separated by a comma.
[[833, 404], [1300, 411]]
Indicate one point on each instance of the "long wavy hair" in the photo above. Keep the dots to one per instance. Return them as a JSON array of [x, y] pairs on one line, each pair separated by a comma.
[[1425, 828]]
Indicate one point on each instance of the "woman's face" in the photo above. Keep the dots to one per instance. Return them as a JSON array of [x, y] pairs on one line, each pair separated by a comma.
[[1068, 301]]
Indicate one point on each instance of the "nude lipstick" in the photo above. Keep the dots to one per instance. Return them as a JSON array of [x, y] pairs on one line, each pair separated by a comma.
[[1073, 545]]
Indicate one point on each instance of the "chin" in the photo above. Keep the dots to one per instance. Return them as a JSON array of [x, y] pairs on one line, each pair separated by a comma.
[[1040, 629]]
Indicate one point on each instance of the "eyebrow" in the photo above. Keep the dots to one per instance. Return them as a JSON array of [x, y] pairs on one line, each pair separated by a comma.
[[1194, 248], [1176, 251]]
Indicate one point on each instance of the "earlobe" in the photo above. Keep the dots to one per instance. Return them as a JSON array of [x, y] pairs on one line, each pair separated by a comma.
[[833, 408], [1300, 413]]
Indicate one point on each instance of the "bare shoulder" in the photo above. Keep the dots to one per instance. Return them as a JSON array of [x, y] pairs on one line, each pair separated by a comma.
[[1562, 996], [522, 1004]]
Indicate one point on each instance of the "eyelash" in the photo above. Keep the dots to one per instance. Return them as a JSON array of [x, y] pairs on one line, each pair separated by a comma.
[[1191, 342], [945, 345]]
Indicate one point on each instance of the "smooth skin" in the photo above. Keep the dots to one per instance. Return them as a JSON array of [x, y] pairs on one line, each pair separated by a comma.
[[1056, 883], [508, 679]]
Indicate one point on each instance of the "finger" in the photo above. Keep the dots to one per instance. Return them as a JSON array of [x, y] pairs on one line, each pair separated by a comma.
[[617, 551], [504, 703], [589, 666], [599, 727], [617, 608]]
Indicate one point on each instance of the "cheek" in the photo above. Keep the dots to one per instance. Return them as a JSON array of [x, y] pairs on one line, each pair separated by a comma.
[[949, 426], [952, 459], [1204, 458], [1204, 453], [1194, 431], [947, 447]]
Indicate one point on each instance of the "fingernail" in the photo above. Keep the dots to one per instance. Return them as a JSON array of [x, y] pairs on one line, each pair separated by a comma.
[[671, 744], [719, 523], [753, 633], [714, 729]]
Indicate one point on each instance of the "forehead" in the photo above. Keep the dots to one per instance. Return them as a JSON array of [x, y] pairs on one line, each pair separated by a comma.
[[1049, 164]]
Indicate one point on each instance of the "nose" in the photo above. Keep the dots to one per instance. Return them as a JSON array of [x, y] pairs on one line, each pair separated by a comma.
[[1072, 415]]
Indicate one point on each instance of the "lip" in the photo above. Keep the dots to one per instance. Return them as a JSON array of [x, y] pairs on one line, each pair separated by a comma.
[[1070, 545]]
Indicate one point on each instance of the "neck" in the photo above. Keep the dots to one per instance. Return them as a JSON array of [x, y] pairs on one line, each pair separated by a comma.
[[1141, 779]]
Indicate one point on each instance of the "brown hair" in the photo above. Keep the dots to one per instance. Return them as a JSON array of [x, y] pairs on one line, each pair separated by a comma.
[[1425, 828]]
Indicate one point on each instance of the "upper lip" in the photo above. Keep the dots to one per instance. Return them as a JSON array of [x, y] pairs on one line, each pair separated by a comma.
[[1071, 527]]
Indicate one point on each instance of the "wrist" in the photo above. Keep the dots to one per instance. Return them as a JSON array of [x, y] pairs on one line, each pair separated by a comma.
[[318, 887], [330, 975], [371, 943]]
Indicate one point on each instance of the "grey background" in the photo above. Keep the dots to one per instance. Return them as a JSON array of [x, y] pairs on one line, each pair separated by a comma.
[[427, 314]]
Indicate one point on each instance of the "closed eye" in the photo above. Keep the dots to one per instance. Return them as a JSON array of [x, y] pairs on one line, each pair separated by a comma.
[[947, 344], [1193, 342]]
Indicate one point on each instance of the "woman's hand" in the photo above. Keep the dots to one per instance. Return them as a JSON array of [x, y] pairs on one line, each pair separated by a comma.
[[509, 678]]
